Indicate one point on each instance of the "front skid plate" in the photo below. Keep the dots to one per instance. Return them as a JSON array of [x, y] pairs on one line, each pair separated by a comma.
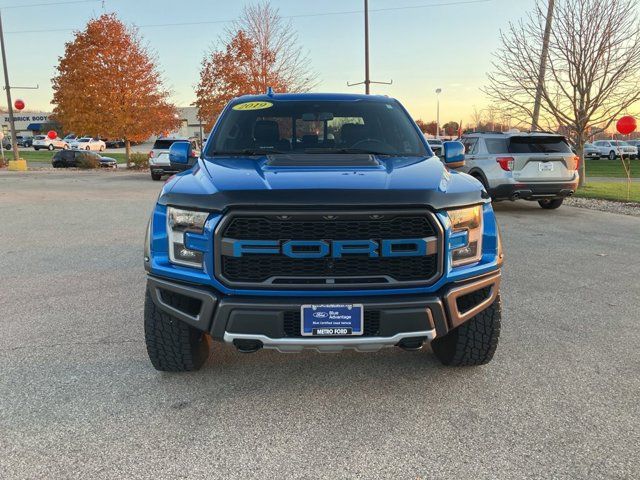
[[329, 345]]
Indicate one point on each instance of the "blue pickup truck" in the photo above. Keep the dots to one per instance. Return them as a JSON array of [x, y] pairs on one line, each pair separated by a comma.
[[320, 221]]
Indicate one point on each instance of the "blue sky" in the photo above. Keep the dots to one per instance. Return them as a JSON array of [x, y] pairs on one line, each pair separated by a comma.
[[420, 49]]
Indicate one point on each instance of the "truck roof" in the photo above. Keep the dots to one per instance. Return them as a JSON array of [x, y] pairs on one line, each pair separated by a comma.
[[311, 96]]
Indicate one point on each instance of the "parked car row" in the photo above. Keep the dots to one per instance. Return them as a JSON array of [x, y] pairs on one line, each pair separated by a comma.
[[611, 149], [71, 141]]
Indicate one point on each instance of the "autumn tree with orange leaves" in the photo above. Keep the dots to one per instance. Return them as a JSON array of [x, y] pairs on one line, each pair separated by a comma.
[[260, 50], [107, 84]]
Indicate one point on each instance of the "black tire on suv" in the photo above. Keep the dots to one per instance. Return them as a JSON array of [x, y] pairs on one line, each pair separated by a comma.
[[156, 176], [172, 345], [551, 204], [472, 343]]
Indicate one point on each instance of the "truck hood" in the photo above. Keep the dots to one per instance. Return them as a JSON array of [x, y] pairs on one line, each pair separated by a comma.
[[381, 180]]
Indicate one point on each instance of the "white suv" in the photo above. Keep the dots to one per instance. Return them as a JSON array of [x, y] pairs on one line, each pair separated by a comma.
[[44, 142], [517, 165], [159, 155], [614, 148]]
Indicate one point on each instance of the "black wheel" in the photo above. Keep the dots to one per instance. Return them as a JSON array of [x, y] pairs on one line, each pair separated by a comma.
[[156, 176], [36, 148], [551, 204], [51, 147], [172, 345], [101, 148], [612, 155], [472, 343], [479, 177]]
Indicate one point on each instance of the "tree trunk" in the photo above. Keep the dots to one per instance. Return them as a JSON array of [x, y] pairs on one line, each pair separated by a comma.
[[127, 151], [580, 138]]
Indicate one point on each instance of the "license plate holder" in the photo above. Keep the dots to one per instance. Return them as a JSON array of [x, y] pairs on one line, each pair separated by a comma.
[[545, 166], [332, 320]]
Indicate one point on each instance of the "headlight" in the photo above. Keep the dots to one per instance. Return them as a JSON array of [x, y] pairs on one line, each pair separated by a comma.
[[180, 222], [469, 221]]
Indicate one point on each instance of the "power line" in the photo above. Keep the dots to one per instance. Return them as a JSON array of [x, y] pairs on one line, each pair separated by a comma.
[[303, 15]]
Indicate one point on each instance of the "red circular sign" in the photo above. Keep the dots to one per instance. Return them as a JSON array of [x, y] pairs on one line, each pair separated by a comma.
[[18, 104], [626, 125], [52, 134]]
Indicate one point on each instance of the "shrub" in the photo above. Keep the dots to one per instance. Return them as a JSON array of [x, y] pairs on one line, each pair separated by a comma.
[[87, 160], [138, 161]]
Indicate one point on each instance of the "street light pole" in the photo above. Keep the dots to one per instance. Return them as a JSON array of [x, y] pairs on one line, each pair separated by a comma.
[[438, 91], [14, 142]]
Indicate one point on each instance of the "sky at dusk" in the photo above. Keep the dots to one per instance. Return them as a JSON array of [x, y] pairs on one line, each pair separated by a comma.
[[421, 45]]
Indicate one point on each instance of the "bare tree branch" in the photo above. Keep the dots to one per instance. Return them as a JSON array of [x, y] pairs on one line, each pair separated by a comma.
[[593, 69]]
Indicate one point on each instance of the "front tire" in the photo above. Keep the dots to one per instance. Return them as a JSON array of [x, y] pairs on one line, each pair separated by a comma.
[[472, 343], [172, 345], [551, 204], [612, 155], [156, 176], [51, 147]]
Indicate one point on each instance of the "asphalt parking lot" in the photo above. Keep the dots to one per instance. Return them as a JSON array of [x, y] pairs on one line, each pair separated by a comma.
[[79, 398]]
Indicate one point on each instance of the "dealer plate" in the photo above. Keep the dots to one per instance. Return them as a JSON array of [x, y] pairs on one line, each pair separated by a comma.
[[545, 166], [332, 320]]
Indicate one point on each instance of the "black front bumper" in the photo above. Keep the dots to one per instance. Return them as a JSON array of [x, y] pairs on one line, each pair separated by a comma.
[[269, 319], [532, 191]]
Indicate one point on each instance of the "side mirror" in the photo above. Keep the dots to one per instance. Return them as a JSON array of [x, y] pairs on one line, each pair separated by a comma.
[[181, 155], [453, 154]]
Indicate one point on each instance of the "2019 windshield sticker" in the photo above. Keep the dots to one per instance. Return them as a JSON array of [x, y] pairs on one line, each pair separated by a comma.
[[253, 106]]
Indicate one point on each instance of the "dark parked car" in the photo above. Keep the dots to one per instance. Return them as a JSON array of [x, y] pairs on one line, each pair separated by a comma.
[[70, 158], [24, 141], [115, 143]]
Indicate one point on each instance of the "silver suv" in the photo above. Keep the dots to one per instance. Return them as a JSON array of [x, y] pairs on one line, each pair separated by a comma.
[[517, 165], [159, 155]]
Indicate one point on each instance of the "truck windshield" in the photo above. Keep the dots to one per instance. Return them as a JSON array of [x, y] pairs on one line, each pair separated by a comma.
[[316, 127]]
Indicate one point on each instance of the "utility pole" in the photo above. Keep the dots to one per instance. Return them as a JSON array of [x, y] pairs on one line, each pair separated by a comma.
[[543, 65], [438, 91], [367, 80], [14, 142]]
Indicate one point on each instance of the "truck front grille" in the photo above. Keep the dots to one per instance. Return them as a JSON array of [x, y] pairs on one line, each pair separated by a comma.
[[361, 270]]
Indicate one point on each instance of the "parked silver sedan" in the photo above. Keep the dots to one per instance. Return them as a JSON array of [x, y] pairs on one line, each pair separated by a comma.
[[590, 151]]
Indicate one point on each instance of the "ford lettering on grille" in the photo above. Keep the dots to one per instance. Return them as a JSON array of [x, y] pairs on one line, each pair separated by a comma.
[[405, 247]]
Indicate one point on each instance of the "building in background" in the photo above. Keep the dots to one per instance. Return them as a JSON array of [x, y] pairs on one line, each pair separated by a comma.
[[34, 123], [27, 123]]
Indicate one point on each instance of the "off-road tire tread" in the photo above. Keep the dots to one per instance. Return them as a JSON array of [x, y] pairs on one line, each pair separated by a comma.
[[472, 343], [172, 345]]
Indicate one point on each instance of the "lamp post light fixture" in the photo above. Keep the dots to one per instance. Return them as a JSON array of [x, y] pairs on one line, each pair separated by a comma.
[[438, 91]]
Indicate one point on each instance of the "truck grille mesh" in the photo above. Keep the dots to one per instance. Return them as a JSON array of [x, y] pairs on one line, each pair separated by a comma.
[[273, 271]]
